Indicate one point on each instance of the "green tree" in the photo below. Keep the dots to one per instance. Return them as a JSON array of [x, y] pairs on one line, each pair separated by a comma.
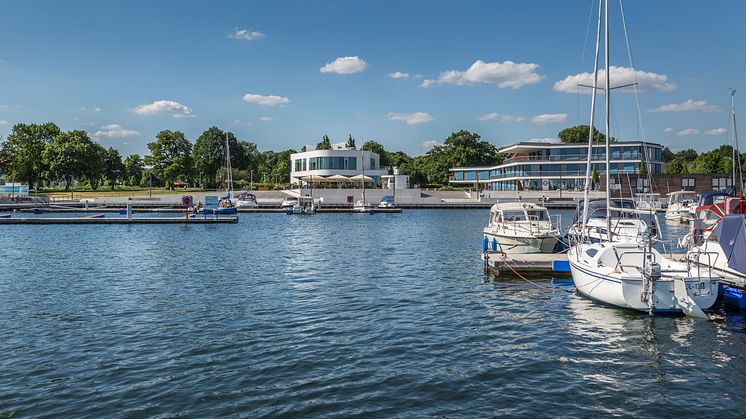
[[595, 178], [170, 156], [460, 149], [72, 155], [579, 134], [209, 153], [710, 162], [350, 142], [95, 166], [667, 155], [675, 166], [643, 169], [325, 144], [687, 155], [133, 168], [23, 150], [113, 166]]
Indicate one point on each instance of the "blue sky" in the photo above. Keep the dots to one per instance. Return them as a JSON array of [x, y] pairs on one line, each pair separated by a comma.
[[125, 70]]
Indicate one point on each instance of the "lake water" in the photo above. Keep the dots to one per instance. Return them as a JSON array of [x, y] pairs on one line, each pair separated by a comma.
[[331, 315]]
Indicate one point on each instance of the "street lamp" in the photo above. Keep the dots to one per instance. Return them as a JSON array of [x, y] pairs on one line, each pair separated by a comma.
[[276, 174], [251, 179]]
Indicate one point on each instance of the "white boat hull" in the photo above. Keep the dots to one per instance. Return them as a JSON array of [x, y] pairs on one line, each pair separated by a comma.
[[625, 290], [518, 245]]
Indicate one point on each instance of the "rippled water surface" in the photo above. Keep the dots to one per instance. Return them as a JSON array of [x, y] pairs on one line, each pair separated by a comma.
[[331, 315]]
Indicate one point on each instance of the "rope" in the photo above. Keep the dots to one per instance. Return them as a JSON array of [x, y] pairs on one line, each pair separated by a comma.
[[530, 281]]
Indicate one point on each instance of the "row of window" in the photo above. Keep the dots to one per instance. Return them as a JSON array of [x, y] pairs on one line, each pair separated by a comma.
[[643, 185], [550, 170], [599, 152]]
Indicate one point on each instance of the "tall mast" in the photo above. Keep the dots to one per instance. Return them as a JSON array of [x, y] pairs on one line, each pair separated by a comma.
[[586, 189], [736, 159], [229, 174], [608, 99]]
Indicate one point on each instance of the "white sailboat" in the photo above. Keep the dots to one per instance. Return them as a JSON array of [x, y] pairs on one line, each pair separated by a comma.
[[361, 205], [631, 274]]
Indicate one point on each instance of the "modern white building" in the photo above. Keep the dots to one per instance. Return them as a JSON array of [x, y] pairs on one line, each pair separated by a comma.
[[306, 165], [559, 166]]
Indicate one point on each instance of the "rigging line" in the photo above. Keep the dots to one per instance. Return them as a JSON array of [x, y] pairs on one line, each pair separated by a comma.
[[641, 128], [587, 31]]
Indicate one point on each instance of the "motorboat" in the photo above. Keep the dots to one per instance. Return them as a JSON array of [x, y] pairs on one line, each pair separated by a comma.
[[289, 202], [626, 223], [518, 227], [387, 201], [304, 205], [632, 274], [246, 200], [681, 205], [361, 206]]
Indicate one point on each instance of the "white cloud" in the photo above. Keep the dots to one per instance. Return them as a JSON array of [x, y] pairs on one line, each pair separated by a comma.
[[175, 109], [265, 118], [619, 76], [687, 132], [428, 144], [410, 118], [716, 131], [549, 118], [3, 122], [245, 34], [494, 116], [114, 131], [689, 105], [270, 100], [504, 75], [97, 109], [345, 65], [668, 130], [399, 75]]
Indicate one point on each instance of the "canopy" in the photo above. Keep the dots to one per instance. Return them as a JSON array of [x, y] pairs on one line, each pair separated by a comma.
[[314, 179], [361, 178], [338, 178]]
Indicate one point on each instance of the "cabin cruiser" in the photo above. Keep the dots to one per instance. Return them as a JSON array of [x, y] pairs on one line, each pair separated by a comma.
[[289, 202], [361, 206], [246, 200], [304, 205], [681, 205], [626, 225], [387, 201], [517, 227]]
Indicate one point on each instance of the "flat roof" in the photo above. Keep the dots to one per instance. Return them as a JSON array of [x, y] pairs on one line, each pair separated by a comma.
[[529, 145]]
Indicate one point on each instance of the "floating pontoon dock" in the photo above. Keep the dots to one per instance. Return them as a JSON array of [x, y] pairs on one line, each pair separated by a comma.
[[118, 220], [554, 264]]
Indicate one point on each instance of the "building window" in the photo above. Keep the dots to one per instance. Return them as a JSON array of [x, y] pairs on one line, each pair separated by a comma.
[[687, 184], [721, 184], [643, 185], [372, 163]]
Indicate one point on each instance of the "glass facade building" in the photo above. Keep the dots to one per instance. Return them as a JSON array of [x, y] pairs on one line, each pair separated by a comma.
[[551, 166], [344, 162]]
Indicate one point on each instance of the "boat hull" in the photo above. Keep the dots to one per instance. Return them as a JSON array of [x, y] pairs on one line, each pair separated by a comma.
[[517, 245], [626, 292]]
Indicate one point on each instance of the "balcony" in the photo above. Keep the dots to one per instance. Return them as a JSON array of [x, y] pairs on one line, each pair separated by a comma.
[[556, 174], [570, 158]]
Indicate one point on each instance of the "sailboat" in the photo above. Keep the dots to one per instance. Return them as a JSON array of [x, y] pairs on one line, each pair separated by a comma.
[[361, 205], [633, 274], [226, 204]]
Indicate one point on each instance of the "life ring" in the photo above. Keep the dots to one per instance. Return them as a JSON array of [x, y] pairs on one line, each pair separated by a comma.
[[545, 182]]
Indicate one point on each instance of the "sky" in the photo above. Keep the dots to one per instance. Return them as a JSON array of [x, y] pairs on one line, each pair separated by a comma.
[[404, 73]]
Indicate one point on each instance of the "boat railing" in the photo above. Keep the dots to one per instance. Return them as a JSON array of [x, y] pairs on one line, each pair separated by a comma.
[[697, 260]]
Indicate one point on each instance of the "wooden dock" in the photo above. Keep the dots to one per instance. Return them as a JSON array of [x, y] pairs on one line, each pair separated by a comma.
[[118, 220], [529, 264]]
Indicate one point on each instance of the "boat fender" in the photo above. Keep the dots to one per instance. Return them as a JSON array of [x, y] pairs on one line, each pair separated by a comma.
[[494, 244], [485, 243]]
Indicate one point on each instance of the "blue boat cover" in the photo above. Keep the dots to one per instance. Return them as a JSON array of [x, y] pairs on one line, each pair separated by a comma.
[[708, 198], [731, 234]]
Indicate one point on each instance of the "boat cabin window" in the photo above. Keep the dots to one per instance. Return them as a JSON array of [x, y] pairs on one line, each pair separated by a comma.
[[591, 252], [514, 216], [537, 215]]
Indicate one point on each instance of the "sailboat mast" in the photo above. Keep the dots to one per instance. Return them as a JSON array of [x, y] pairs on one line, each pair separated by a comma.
[[608, 136], [736, 160], [229, 174], [587, 188], [362, 167]]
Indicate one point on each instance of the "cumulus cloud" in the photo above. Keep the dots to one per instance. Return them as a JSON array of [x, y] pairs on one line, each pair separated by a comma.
[[549, 118], [428, 144], [398, 75], [410, 118], [114, 131], [668, 130], [619, 76], [97, 109], [689, 105], [547, 140], [503, 75], [716, 131], [494, 116], [245, 34], [345, 65], [270, 100], [175, 109], [687, 132], [265, 118]]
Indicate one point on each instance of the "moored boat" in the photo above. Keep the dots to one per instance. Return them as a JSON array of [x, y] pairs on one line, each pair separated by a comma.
[[517, 227]]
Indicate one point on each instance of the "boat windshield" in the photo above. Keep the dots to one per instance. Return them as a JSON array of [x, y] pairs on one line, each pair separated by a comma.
[[534, 215], [514, 216]]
